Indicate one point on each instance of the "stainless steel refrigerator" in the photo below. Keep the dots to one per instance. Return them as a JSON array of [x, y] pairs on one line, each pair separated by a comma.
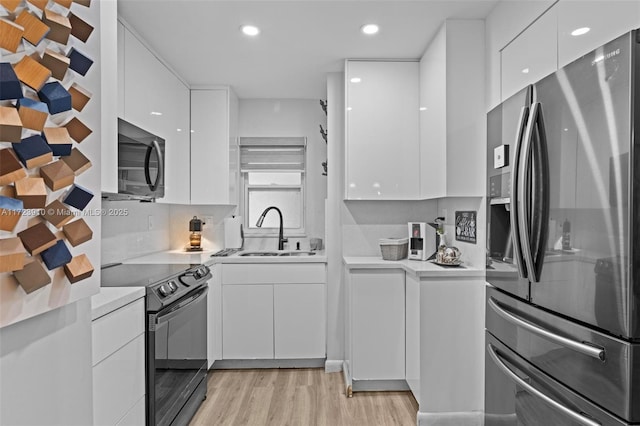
[[563, 246]]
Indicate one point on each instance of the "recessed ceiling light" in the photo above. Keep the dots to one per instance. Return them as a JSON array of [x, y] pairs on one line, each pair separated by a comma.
[[370, 29], [525, 71], [156, 113], [250, 30], [356, 80], [580, 31], [423, 108]]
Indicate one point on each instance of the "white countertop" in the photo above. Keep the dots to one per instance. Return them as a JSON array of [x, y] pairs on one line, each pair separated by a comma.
[[111, 298], [173, 256], [415, 267], [204, 257]]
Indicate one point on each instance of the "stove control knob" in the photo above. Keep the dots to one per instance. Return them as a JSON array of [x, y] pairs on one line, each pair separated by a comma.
[[163, 291], [173, 286]]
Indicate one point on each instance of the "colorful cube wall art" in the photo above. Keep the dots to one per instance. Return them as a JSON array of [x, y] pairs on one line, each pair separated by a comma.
[[33, 151], [12, 254], [79, 96], [57, 214], [32, 191], [77, 161], [10, 5], [80, 63], [56, 97], [37, 238], [78, 269], [57, 175], [59, 24], [34, 29], [10, 168], [10, 124], [78, 197], [85, 3], [58, 139], [10, 212], [40, 4], [32, 277], [32, 73], [10, 35], [77, 232], [56, 63], [10, 87], [80, 29], [77, 130], [32, 113], [56, 256]]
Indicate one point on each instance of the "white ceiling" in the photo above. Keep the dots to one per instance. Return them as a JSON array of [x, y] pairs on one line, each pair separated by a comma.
[[300, 40]]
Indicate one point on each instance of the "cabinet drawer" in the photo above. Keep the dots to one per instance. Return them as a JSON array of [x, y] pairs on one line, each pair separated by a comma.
[[118, 383], [274, 273], [114, 330]]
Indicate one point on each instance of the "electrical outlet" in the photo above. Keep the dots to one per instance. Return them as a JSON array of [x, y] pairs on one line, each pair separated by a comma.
[[150, 222], [208, 220], [444, 213]]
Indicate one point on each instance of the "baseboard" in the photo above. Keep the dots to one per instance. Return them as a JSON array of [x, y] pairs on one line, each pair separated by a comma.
[[333, 365], [468, 418], [234, 364], [380, 385]]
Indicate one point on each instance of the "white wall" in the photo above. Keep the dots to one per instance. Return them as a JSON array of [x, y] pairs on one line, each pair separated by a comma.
[[293, 117], [45, 366], [212, 230]]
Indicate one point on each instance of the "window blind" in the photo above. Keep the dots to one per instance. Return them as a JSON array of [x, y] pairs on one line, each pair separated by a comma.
[[269, 154]]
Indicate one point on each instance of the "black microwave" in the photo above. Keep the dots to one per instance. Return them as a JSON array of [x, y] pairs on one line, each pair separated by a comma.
[[140, 163]]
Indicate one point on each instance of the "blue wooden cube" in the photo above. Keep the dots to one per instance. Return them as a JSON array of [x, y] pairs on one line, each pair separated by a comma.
[[10, 87], [10, 212], [78, 197], [56, 256], [32, 113], [33, 151], [80, 63], [56, 97]]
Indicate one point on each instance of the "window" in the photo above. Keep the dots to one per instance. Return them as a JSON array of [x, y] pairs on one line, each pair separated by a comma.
[[273, 174]]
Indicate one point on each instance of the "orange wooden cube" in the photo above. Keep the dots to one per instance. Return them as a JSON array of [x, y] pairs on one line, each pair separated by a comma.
[[32, 113], [10, 5], [77, 232], [32, 277], [57, 175], [10, 35], [79, 96], [77, 161], [40, 4], [37, 238], [10, 125], [58, 64], [10, 168], [57, 214], [59, 24], [58, 139], [8, 191], [32, 73], [32, 191], [12, 254], [64, 3], [77, 129], [78, 269], [34, 28]]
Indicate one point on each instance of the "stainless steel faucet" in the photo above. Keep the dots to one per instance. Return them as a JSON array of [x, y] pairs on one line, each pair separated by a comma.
[[281, 239]]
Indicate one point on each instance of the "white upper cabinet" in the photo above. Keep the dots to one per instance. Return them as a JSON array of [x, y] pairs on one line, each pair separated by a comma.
[[382, 125], [120, 73], [586, 25], [214, 173], [452, 116], [532, 55]]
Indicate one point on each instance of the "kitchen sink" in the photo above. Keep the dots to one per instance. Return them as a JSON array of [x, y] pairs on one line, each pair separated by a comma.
[[278, 253]]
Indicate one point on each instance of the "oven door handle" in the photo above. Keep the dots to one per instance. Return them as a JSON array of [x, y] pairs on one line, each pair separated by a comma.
[[577, 417], [177, 309]]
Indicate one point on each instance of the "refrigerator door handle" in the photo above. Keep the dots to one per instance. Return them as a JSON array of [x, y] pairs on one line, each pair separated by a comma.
[[587, 349], [515, 177], [524, 192], [575, 416], [540, 192]]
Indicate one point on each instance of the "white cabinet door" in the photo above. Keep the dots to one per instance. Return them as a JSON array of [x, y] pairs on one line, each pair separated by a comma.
[[412, 343], [299, 321], [377, 321], [120, 73], [382, 153], [605, 20], [140, 70], [213, 176], [532, 55], [247, 321]]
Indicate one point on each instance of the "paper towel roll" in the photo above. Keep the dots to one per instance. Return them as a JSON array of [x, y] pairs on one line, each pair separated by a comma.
[[233, 235]]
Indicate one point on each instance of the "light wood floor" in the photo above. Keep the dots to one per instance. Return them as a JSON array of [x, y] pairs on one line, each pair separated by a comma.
[[300, 397]]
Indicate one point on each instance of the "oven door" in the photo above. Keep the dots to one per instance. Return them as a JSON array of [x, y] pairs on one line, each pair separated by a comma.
[[177, 360], [519, 394]]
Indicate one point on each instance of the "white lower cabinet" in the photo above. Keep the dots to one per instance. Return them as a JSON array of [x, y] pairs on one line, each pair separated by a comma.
[[377, 324], [273, 311], [412, 341], [119, 366]]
